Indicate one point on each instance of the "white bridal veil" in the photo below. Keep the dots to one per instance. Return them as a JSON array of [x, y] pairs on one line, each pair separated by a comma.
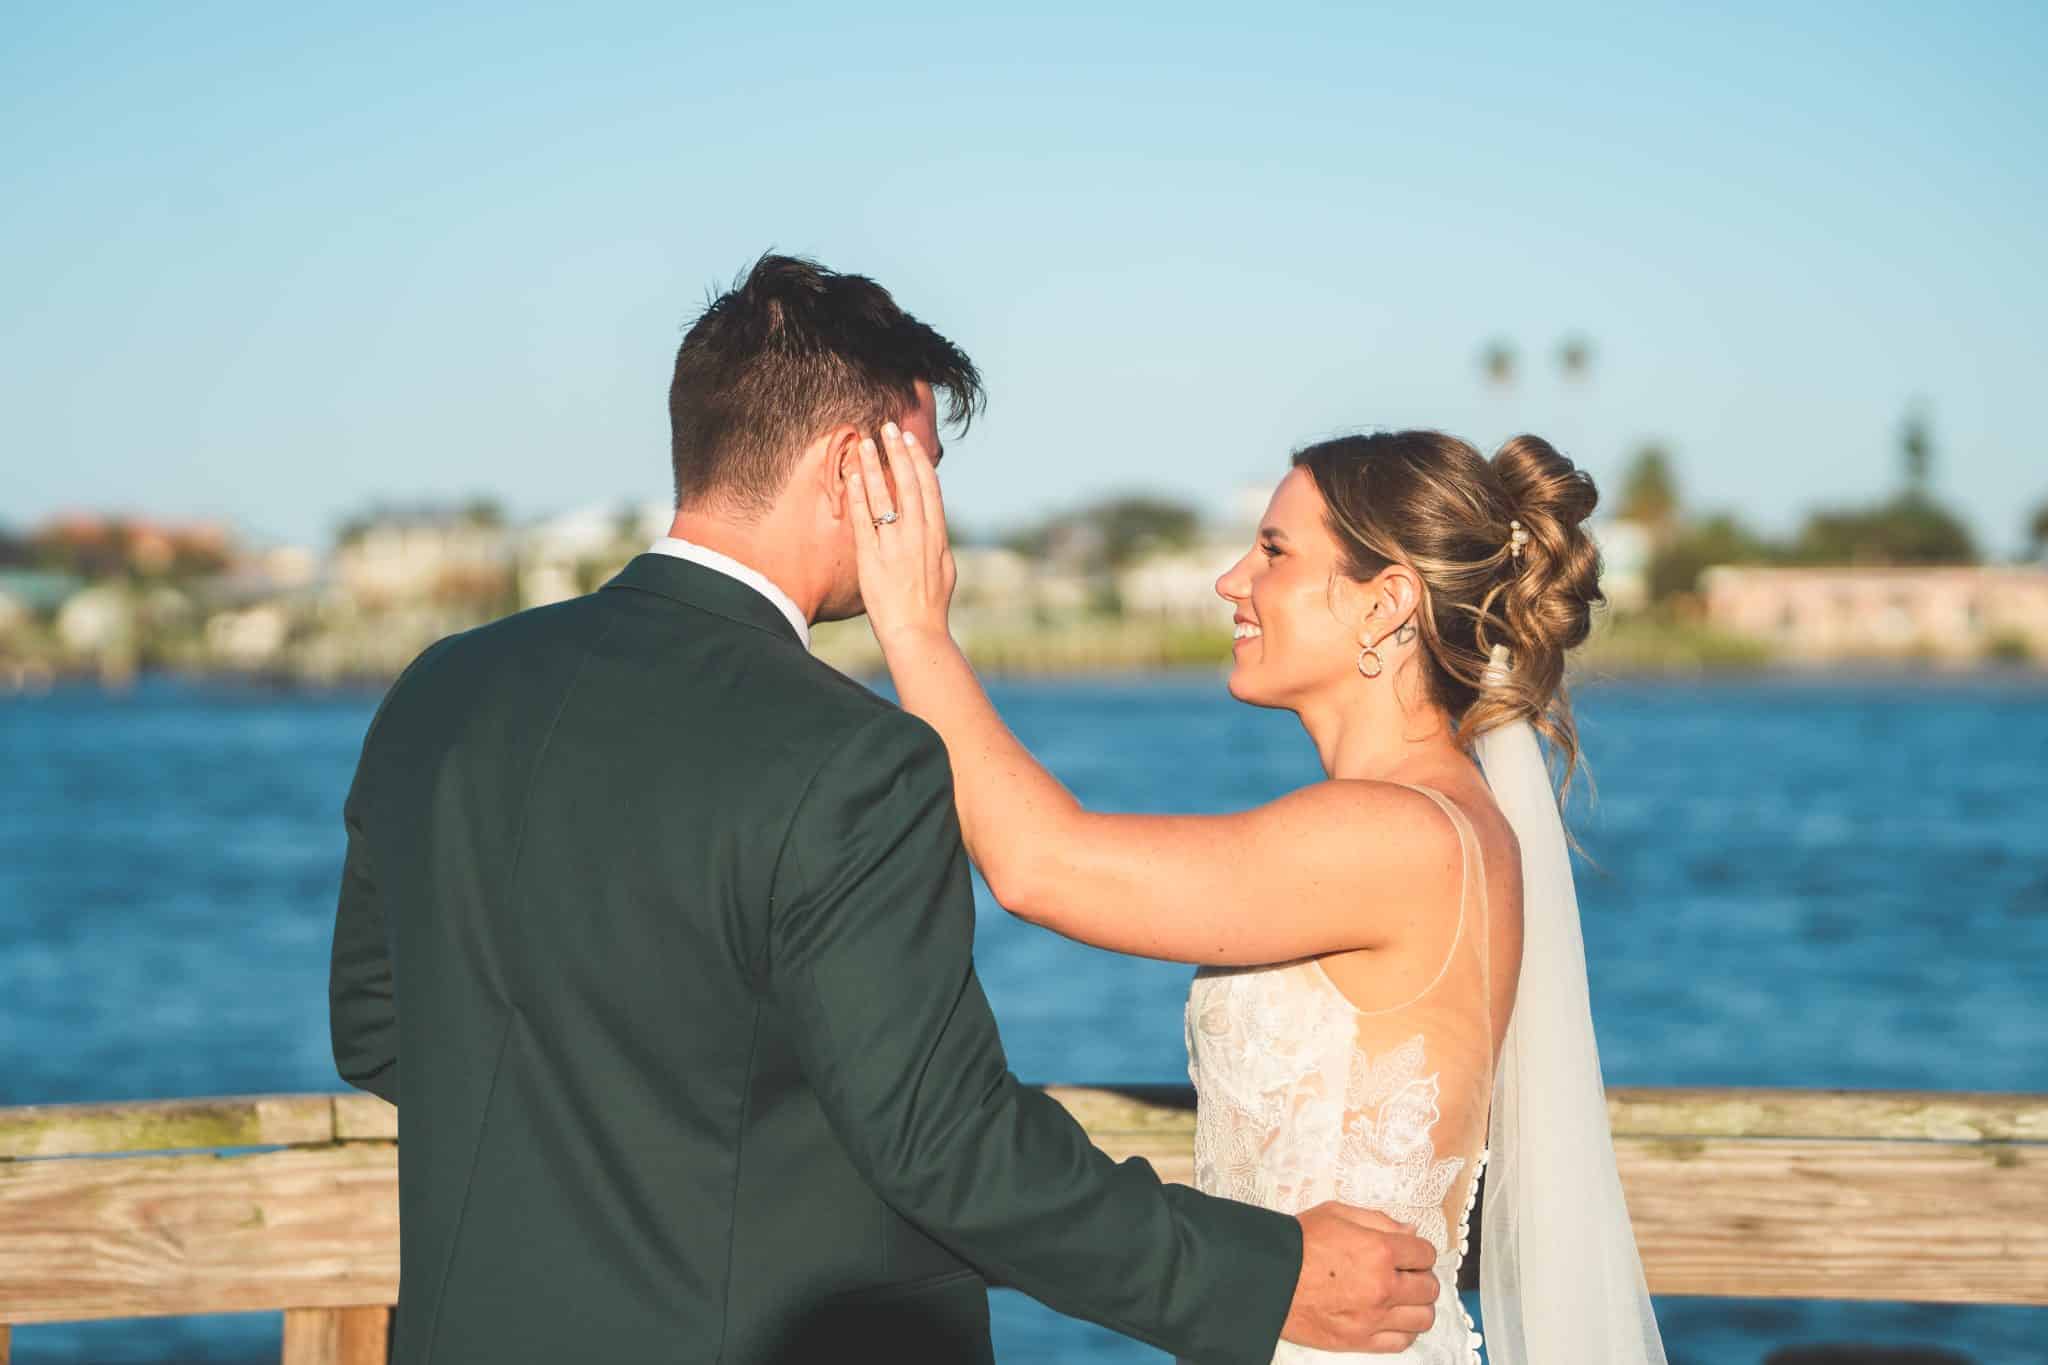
[[1560, 1282]]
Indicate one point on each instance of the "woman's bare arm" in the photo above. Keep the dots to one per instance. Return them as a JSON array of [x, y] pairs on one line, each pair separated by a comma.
[[1291, 879]]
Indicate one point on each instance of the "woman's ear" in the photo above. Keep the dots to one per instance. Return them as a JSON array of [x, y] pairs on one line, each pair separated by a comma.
[[1396, 595]]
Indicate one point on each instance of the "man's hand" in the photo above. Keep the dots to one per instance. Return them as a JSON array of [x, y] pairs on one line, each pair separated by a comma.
[[1367, 1282]]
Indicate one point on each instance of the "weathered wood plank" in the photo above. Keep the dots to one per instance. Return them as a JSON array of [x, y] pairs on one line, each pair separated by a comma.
[[360, 1117], [166, 1125], [1925, 1220], [1920, 1216], [1929, 1222], [1154, 1122], [159, 1236], [1897, 1115], [335, 1336], [1893, 1114], [292, 1120]]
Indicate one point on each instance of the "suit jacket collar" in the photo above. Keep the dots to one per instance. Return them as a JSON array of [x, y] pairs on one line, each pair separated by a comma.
[[681, 580]]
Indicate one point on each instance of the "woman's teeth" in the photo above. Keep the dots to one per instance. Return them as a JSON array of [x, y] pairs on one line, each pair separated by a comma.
[[1246, 631]]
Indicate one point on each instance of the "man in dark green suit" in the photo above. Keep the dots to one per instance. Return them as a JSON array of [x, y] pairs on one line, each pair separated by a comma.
[[659, 933]]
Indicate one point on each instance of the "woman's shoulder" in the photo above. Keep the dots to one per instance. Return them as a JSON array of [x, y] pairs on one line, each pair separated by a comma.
[[1499, 851], [1424, 815], [1405, 820]]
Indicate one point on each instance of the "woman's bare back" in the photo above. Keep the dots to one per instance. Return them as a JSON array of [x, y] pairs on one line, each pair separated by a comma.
[[1364, 1076]]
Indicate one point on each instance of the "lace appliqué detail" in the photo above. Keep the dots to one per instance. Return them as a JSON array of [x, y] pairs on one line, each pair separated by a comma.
[[1293, 1112], [1388, 1157], [1264, 1058]]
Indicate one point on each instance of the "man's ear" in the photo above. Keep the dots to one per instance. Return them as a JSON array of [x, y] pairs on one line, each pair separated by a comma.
[[837, 453]]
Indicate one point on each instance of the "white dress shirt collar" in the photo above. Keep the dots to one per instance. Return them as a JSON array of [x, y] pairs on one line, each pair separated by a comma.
[[732, 568]]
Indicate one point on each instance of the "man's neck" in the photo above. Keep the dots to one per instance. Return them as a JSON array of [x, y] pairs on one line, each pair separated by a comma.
[[762, 547]]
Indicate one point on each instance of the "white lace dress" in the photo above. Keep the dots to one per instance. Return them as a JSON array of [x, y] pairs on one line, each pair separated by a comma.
[[1303, 1097]]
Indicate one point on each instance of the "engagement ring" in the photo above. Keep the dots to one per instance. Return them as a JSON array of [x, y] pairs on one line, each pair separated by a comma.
[[885, 518]]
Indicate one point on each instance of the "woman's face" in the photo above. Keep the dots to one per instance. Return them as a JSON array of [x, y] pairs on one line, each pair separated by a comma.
[[1289, 592]]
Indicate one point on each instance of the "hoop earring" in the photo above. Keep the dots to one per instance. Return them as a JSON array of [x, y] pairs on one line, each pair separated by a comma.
[[1379, 665]]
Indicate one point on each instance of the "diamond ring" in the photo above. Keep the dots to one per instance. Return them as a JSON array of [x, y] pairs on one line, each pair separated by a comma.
[[885, 519]]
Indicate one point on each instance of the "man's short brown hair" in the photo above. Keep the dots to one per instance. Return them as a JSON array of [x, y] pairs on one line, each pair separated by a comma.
[[789, 351]]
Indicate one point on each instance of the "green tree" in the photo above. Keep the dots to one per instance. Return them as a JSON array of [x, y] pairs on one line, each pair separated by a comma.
[[1030, 541], [2037, 531], [1910, 529], [1676, 565], [1135, 526], [1649, 490], [1110, 534]]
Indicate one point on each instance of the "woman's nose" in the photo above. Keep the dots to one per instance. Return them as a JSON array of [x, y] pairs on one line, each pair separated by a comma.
[[1235, 584]]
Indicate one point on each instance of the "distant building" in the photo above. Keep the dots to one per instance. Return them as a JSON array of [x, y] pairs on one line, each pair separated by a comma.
[[249, 637], [278, 573], [993, 577], [1955, 613], [97, 618], [37, 592], [400, 558], [1181, 586], [997, 584], [1625, 549], [107, 544], [567, 555], [289, 566]]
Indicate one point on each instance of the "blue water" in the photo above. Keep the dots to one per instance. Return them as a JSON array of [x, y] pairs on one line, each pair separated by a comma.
[[1798, 882]]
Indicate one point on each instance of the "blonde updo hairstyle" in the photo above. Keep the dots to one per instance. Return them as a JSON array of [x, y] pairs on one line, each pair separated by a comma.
[[1434, 503]]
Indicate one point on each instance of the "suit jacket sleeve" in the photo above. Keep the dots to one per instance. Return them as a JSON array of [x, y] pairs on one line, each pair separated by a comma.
[[362, 995], [871, 967], [361, 1000]]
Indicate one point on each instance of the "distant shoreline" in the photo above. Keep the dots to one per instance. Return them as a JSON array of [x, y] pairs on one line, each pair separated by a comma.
[[1591, 675]]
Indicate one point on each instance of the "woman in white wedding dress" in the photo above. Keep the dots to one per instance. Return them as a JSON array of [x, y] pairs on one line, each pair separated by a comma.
[[1360, 941]]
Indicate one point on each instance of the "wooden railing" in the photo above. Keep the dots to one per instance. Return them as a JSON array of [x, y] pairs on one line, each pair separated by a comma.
[[290, 1203]]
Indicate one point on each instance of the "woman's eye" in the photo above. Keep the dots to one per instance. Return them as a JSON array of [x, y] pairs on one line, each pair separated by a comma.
[[1270, 551]]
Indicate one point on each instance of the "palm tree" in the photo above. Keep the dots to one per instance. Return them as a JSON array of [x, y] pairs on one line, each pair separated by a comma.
[[1575, 357], [1497, 363], [1649, 491], [1916, 445]]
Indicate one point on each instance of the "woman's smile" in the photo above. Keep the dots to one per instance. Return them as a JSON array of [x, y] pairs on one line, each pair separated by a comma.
[[1243, 633]]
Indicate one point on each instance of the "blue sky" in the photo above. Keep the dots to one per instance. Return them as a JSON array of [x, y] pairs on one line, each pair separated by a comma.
[[269, 263]]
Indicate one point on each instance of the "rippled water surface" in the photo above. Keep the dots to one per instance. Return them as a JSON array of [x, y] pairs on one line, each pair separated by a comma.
[[1795, 882]]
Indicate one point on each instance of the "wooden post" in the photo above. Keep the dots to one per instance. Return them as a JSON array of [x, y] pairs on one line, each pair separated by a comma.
[[334, 1336], [4, 1331]]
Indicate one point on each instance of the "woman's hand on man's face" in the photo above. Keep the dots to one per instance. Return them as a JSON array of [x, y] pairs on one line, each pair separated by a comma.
[[899, 535]]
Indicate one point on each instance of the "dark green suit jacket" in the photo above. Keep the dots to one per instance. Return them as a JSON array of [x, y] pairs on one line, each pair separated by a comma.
[[659, 933]]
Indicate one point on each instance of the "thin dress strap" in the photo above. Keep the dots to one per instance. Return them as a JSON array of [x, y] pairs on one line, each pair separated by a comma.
[[1467, 841], [1475, 877]]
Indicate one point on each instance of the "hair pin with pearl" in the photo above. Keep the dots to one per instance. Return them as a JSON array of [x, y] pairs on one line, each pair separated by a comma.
[[1518, 536]]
